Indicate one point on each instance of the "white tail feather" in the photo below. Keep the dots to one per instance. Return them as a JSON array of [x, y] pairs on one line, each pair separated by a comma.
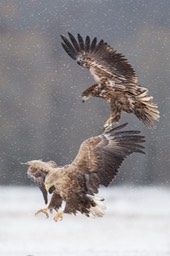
[[145, 109], [98, 210], [148, 98]]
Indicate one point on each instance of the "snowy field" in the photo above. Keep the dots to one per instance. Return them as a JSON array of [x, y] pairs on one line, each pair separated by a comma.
[[136, 223]]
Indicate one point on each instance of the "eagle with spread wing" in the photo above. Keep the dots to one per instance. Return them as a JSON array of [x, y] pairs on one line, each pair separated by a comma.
[[74, 186], [116, 81]]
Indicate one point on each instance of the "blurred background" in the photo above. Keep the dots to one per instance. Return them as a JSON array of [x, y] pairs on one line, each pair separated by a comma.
[[41, 113]]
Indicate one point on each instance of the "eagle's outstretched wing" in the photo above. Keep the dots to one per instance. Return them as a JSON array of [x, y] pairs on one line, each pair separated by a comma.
[[100, 157], [39, 173], [74, 186], [116, 80], [100, 58]]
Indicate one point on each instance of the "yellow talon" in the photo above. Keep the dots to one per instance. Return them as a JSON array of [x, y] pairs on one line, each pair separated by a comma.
[[45, 211], [108, 124], [107, 129], [58, 217]]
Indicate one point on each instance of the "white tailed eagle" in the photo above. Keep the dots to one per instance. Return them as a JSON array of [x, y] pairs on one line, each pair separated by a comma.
[[74, 186], [116, 81]]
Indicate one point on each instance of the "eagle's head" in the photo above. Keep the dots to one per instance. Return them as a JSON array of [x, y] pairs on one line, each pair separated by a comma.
[[51, 179], [93, 91]]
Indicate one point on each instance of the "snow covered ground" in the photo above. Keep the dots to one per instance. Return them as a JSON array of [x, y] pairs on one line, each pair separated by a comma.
[[136, 223]]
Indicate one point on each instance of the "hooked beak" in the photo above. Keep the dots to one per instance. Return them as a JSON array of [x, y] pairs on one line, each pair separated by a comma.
[[47, 186]]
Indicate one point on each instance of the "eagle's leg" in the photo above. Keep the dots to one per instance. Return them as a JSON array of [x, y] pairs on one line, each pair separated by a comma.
[[114, 118], [108, 124], [59, 215], [45, 211]]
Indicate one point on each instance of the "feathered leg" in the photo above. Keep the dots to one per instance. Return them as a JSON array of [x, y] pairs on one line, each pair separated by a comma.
[[119, 102], [54, 204], [113, 118], [59, 215], [109, 123]]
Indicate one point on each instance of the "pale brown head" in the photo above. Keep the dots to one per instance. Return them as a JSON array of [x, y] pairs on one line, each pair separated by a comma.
[[51, 179]]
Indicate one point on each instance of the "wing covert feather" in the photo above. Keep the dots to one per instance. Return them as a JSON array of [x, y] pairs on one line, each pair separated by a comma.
[[101, 56], [104, 154], [38, 172]]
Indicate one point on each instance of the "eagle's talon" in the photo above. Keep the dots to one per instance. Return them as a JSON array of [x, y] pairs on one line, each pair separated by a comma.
[[108, 125], [45, 211], [107, 129], [58, 217], [117, 82]]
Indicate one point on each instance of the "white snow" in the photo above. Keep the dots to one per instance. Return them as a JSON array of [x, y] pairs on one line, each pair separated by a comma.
[[136, 223]]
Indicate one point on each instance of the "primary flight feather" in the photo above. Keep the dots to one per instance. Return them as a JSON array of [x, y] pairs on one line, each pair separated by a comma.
[[116, 81], [74, 186]]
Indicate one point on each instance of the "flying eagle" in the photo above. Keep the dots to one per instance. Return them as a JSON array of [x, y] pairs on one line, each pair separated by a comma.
[[116, 81], [74, 186]]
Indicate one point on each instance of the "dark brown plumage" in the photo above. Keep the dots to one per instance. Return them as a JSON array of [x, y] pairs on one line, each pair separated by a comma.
[[116, 81], [74, 186]]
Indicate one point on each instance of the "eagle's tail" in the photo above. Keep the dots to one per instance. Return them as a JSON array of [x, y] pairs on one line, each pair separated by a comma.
[[98, 209], [145, 109]]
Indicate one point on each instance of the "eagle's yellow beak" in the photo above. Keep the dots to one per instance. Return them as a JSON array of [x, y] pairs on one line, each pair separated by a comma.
[[47, 186]]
